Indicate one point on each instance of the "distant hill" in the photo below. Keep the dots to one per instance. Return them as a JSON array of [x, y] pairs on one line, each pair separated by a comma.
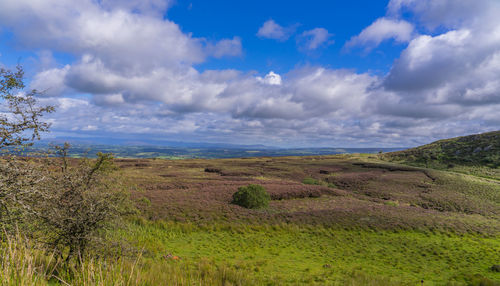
[[478, 150], [207, 151]]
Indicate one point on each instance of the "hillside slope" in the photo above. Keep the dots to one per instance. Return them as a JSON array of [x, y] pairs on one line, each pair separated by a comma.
[[473, 150]]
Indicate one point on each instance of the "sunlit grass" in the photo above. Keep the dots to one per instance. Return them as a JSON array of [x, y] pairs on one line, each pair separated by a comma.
[[302, 254]]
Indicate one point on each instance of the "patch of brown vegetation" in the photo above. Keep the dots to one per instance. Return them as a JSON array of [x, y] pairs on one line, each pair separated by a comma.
[[369, 195]]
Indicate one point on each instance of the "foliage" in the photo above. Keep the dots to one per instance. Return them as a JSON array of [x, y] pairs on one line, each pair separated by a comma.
[[443, 230], [75, 202], [252, 197], [20, 123], [23, 111], [310, 181], [18, 182], [473, 150]]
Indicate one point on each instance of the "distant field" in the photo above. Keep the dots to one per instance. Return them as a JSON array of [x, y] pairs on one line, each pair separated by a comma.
[[160, 152], [333, 220]]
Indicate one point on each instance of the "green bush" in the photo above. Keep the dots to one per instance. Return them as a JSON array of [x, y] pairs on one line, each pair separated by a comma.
[[310, 181], [252, 197]]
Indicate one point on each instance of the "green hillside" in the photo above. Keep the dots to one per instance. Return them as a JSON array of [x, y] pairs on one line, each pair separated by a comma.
[[473, 150]]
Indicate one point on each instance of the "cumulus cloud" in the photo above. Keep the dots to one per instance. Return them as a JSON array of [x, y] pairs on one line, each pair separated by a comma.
[[271, 78], [457, 66], [50, 82], [313, 39], [383, 29], [135, 73], [124, 40], [272, 30], [445, 13]]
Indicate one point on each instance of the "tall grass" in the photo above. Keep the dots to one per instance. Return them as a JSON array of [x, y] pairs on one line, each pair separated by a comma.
[[19, 262], [23, 262]]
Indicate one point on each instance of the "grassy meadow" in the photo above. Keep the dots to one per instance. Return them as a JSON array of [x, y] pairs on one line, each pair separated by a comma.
[[333, 220]]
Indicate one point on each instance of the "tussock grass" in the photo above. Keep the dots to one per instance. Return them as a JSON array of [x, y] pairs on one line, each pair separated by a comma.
[[290, 254], [23, 262], [20, 262], [262, 255]]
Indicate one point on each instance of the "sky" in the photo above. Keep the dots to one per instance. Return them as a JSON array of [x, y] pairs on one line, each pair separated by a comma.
[[396, 73]]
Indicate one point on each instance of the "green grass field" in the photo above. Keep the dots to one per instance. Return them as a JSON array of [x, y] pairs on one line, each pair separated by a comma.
[[289, 254]]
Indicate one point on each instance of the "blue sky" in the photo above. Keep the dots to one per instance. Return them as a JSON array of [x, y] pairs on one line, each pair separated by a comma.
[[224, 19], [282, 73]]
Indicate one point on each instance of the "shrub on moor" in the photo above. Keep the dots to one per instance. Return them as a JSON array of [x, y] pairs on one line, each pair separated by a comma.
[[251, 197]]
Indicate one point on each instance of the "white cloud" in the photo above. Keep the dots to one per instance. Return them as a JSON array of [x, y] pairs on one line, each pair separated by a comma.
[[313, 39], [383, 29], [122, 39], [50, 82], [458, 66], [450, 14], [135, 73], [271, 30], [90, 128], [150, 7], [271, 78], [227, 47]]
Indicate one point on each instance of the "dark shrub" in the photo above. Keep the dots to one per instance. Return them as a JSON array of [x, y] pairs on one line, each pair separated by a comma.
[[251, 197], [212, 170], [495, 268]]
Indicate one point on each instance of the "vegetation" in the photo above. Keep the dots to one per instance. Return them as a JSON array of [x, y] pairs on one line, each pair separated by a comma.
[[443, 230], [354, 220], [62, 207], [22, 121], [290, 254], [80, 149], [76, 202], [310, 181], [474, 150], [252, 197]]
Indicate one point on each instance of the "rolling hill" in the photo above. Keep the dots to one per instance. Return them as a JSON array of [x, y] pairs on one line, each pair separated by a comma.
[[473, 150]]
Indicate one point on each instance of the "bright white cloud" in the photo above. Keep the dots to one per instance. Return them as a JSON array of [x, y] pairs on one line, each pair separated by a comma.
[[137, 71], [124, 40], [458, 66], [383, 29], [271, 78]]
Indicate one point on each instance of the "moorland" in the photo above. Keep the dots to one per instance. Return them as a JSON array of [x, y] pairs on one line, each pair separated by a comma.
[[352, 219], [343, 219]]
